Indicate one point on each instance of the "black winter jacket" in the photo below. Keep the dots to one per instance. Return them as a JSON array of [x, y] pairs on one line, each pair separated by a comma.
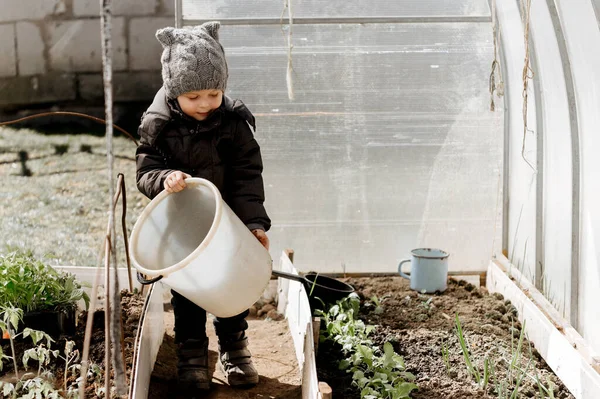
[[221, 149]]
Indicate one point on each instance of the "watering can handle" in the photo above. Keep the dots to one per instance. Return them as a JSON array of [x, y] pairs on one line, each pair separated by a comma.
[[143, 281], [290, 276]]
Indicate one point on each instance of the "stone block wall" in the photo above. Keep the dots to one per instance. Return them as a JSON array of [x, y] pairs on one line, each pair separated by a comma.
[[51, 55]]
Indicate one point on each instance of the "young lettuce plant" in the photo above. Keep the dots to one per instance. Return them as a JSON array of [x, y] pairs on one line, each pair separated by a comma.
[[377, 303], [375, 373]]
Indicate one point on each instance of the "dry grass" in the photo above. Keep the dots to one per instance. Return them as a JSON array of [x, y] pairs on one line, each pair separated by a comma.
[[61, 209]]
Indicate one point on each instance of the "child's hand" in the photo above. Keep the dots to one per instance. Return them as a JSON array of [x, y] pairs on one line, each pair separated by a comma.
[[175, 181], [262, 237]]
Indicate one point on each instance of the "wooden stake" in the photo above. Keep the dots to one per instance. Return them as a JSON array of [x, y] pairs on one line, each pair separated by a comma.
[[107, 362], [325, 390], [316, 324], [290, 254]]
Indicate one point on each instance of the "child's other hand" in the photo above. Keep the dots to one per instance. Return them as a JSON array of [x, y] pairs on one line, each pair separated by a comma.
[[175, 181], [262, 237]]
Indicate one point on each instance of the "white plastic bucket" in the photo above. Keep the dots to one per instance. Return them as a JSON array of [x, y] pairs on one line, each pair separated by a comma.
[[201, 248]]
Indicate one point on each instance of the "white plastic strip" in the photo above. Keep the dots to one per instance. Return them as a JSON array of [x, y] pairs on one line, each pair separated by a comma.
[[299, 316], [557, 209], [554, 346], [582, 38], [148, 342]]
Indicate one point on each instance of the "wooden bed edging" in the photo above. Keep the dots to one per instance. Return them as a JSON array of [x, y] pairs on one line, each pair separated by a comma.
[[293, 303], [565, 351]]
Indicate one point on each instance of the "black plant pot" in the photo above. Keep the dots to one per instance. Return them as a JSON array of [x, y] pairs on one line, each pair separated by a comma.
[[53, 323], [323, 289]]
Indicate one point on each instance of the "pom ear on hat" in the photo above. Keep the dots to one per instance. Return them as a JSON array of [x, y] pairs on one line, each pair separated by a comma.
[[212, 28], [166, 36]]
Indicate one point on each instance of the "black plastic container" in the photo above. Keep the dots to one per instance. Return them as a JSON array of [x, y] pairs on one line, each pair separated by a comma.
[[54, 323]]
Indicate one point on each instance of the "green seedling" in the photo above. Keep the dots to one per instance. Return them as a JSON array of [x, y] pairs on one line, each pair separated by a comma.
[[375, 372], [41, 354], [71, 356], [41, 386], [446, 356], [465, 351], [377, 303], [11, 317], [31, 285], [10, 322], [314, 283], [486, 372], [516, 353]]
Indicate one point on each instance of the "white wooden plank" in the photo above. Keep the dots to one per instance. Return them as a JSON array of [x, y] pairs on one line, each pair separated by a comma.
[[310, 383], [298, 313], [148, 342], [547, 308], [554, 346], [283, 285], [297, 310]]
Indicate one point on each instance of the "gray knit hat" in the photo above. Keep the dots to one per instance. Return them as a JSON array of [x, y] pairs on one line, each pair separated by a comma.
[[192, 59]]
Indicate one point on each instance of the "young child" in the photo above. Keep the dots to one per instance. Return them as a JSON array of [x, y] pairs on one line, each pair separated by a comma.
[[193, 130]]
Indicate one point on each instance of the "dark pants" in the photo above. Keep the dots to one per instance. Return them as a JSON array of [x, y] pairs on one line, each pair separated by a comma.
[[190, 321]]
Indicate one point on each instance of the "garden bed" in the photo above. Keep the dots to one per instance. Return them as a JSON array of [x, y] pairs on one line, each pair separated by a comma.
[[419, 326], [131, 304]]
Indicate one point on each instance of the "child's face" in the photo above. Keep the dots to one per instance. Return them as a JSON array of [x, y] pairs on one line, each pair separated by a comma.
[[199, 104]]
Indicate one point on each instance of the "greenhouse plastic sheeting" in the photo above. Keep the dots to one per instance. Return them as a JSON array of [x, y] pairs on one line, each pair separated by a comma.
[[389, 143]]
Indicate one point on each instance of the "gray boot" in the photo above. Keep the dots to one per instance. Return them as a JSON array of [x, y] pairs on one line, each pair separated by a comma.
[[235, 360], [192, 367]]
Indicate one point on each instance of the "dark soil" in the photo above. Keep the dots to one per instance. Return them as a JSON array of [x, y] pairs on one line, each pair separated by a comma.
[[418, 325], [131, 311]]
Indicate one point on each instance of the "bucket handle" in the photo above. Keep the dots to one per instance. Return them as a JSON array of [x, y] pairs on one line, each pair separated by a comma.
[[289, 276], [143, 281]]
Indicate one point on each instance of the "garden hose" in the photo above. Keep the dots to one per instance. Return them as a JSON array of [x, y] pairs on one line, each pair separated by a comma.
[[68, 113]]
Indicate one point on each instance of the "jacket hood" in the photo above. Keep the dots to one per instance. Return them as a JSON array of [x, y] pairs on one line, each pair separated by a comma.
[[161, 111]]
